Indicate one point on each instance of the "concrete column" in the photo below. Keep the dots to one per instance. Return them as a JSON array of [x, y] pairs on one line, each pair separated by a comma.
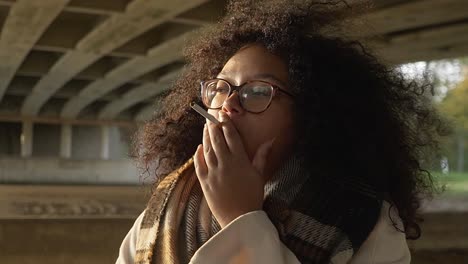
[[66, 141], [105, 141], [26, 139]]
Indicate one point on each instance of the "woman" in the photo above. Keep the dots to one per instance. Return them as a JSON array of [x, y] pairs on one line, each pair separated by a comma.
[[318, 158]]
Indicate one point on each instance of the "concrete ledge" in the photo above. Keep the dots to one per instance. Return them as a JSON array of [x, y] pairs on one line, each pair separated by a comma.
[[442, 231], [90, 241], [86, 224], [72, 202], [70, 241]]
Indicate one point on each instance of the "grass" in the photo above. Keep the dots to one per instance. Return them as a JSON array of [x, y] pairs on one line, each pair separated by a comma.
[[455, 182]]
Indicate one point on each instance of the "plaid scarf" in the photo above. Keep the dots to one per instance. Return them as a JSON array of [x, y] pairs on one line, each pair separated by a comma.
[[316, 219]]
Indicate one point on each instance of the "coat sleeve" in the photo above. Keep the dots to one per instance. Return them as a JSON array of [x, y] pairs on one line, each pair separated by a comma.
[[128, 247], [250, 238]]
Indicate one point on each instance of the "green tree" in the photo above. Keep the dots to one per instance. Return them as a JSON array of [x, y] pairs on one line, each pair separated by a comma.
[[455, 106]]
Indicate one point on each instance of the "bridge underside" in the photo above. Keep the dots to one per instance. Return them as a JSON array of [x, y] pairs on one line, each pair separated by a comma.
[[107, 61]]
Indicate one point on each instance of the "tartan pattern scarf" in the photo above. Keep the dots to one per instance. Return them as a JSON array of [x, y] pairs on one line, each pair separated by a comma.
[[316, 220]]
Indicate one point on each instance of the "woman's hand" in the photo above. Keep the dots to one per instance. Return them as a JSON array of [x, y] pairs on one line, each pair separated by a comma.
[[232, 185]]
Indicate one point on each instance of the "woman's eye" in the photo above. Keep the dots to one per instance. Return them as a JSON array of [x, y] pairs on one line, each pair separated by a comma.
[[259, 91]]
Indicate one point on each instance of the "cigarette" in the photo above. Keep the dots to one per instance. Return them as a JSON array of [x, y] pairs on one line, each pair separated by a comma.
[[204, 113]]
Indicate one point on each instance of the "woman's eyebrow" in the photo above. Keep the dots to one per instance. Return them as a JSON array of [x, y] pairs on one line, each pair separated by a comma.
[[258, 77], [268, 76]]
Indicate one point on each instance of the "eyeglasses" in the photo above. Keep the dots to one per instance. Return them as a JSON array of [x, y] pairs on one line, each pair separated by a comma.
[[254, 96]]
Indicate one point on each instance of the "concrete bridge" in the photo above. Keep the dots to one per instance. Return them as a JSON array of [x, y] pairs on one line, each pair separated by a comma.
[[76, 78]]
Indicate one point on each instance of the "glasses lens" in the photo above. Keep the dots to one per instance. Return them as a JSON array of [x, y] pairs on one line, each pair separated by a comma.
[[215, 92], [256, 96]]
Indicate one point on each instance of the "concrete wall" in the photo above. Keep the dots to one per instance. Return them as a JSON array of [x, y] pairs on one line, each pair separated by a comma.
[[85, 165], [66, 224], [86, 141], [10, 138], [61, 241], [119, 143], [67, 171], [46, 140]]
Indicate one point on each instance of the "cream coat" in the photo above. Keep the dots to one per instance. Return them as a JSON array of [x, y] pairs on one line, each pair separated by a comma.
[[252, 238]]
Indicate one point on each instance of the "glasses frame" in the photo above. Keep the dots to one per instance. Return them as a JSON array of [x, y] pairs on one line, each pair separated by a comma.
[[239, 88]]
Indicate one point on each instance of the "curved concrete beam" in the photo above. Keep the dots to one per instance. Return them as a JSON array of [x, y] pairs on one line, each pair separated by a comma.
[[24, 25], [147, 112], [136, 95], [158, 56], [139, 16]]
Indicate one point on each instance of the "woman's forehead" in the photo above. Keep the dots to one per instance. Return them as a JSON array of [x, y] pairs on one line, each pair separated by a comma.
[[255, 62]]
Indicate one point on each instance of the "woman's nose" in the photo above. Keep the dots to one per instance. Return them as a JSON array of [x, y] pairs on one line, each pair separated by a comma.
[[232, 104]]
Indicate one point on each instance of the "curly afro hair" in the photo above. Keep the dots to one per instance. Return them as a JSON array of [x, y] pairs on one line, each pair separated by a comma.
[[355, 114]]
